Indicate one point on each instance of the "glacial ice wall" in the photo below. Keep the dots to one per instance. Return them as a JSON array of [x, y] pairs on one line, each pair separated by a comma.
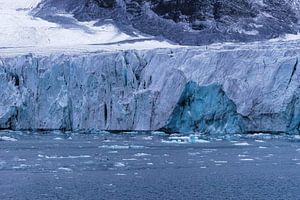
[[205, 109], [233, 89]]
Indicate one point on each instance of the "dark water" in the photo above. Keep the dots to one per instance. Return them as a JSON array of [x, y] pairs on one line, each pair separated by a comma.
[[147, 166]]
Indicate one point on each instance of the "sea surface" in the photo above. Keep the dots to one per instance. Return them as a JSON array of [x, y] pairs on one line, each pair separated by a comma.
[[147, 165]]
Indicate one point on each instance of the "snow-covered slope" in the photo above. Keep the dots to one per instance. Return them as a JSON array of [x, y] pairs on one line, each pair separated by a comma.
[[188, 22], [54, 23], [18, 28]]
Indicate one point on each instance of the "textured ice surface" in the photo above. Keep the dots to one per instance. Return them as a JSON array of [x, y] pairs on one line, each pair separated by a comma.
[[205, 108], [219, 88]]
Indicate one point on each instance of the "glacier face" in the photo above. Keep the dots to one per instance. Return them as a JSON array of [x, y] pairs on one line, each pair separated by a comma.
[[205, 109], [229, 89]]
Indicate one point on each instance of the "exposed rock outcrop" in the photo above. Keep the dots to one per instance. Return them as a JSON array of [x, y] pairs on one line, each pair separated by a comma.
[[189, 22]]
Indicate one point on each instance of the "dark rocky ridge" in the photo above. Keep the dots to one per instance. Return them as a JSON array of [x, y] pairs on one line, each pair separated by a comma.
[[191, 22]]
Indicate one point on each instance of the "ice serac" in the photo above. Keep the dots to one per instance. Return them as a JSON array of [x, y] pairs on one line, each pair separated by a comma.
[[205, 109], [228, 89]]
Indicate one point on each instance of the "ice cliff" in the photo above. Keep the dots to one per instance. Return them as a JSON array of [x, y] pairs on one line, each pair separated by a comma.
[[228, 89]]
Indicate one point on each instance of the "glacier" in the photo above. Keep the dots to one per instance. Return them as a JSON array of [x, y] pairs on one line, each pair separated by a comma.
[[228, 88]]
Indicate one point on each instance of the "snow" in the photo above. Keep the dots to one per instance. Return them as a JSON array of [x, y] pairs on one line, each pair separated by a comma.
[[20, 29], [19, 4], [287, 37]]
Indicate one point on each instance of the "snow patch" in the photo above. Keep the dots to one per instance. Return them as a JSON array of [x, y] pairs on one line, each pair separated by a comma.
[[287, 37]]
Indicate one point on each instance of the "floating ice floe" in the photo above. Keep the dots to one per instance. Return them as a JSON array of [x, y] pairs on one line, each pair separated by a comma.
[[129, 159], [260, 136], [221, 161], [241, 144], [65, 169], [262, 147], [246, 159], [6, 138], [63, 157], [121, 147], [22, 166], [149, 163], [57, 138], [141, 154], [194, 153], [119, 164], [148, 138], [158, 133], [120, 174], [296, 137], [185, 140]]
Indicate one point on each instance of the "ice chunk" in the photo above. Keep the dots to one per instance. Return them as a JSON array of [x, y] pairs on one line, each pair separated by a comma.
[[185, 140], [6, 138], [241, 144]]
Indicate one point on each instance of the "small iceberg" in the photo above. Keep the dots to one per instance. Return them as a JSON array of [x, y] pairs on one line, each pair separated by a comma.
[[242, 144], [192, 139], [6, 138]]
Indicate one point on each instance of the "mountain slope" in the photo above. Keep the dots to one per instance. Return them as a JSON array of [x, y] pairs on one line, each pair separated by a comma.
[[192, 22], [19, 28]]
